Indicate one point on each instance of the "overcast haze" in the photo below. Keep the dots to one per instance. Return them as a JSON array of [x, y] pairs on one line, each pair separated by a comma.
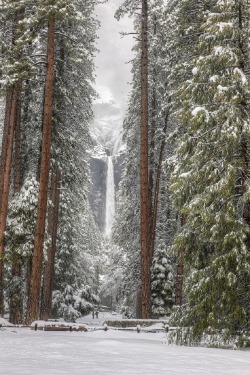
[[113, 75], [112, 72]]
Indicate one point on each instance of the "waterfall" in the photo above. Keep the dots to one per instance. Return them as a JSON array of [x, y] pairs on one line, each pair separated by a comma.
[[110, 197]]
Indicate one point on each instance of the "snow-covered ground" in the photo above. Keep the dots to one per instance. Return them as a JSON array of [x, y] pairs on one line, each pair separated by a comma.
[[26, 352], [102, 316]]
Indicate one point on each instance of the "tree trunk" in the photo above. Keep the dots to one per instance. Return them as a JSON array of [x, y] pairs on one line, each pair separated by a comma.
[[138, 304], [5, 140], [144, 187], [16, 300], [16, 297], [6, 174], [244, 143], [157, 189], [156, 198], [2, 169], [152, 158], [17, 159], [180, 270], [35, 282], [12, 99], [50, 263]]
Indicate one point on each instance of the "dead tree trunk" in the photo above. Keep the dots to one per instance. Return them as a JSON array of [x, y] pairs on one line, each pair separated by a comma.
[[144, 187], [50, 263], [36, 272]]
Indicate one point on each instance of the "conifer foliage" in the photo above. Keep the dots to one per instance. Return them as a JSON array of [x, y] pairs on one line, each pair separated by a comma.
[[211, 177], [143, 182], [162, 285], [183, 210], [198, 58], [45, 139]]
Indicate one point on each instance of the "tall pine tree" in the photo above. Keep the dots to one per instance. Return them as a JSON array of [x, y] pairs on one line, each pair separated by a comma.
[[211, 177]]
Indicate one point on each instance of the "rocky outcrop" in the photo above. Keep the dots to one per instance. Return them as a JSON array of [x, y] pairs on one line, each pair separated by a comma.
[[97, 191]]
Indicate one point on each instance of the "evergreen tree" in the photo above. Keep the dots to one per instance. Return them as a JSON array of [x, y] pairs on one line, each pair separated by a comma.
[[77, 235], [162, 283], [72, 113], [126, 226], [19, 245], [15, 67], [211, 175], [159, 126], [78, 248], [36, 270]]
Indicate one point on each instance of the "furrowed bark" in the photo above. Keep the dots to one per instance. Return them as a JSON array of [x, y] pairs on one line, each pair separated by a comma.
[[35, 282], [152, 157], [5, 140], [50, 263], [16, 300], [13, 96], [17, 149], [144, 187], [5, 177]]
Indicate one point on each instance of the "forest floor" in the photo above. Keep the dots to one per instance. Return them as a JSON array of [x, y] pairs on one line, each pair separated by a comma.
[[26, 352]]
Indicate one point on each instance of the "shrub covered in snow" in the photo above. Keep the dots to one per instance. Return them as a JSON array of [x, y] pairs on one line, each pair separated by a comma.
[[72, 304], [162, 284]]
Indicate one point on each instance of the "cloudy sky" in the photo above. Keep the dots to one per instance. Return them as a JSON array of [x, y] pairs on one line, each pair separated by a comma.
[[113, 70]]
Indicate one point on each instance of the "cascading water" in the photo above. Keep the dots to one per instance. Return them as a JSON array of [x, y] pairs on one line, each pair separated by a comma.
[[110, 197]]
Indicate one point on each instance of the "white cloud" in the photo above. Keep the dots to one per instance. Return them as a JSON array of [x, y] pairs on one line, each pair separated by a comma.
[[105, 96], [113, 70]]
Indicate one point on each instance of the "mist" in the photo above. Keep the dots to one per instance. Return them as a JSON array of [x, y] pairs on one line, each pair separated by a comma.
[[113, 70]]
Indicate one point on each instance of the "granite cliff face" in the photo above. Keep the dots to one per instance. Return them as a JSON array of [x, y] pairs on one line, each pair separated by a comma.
[[118, 161], [97, 191]]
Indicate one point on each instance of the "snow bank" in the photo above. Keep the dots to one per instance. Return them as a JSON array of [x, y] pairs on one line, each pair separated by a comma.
[[126, 323], [59, 325], [5, 323], [27, 352]]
